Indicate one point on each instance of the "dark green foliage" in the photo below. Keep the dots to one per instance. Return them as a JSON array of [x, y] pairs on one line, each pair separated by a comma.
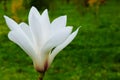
[[39, 4]]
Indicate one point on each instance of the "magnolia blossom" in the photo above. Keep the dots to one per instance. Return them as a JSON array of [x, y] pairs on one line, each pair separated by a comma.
[[40, 39]]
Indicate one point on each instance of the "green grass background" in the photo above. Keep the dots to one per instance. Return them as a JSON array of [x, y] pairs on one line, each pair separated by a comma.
[[93, 55]]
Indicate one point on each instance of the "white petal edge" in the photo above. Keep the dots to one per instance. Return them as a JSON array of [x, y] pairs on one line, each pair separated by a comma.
[[54, 41], [36, 29], [20, 39], [26, 30], [45, 16], [38, 26], [56, 30], [59, 22], [34, 11], [62, 46], [45, 23], [11, 23]]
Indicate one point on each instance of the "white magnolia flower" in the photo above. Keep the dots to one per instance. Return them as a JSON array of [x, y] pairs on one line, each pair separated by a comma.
[[41, 40]]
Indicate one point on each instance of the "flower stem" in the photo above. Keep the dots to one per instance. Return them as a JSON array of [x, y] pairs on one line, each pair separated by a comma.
[[41, 76]]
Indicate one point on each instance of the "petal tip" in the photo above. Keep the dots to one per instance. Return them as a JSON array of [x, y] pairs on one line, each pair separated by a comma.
[[79, 26], [6, 17], [33, 7], [45, 12], [33, 10], [65, 16], [77, 30]]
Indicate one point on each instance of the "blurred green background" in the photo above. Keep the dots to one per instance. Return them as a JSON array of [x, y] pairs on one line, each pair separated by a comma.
[[93, 55]]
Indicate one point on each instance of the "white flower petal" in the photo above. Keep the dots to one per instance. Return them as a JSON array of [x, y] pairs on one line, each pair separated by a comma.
[[63, 45], [55, 40], [45, 18], [11, 23], [20, 38], [26, 30], [35, 27], [39, 26], [23, 24], [59, 22], [45, 23], [34, 11], [39, 37], [70, 28], [55, 30]]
